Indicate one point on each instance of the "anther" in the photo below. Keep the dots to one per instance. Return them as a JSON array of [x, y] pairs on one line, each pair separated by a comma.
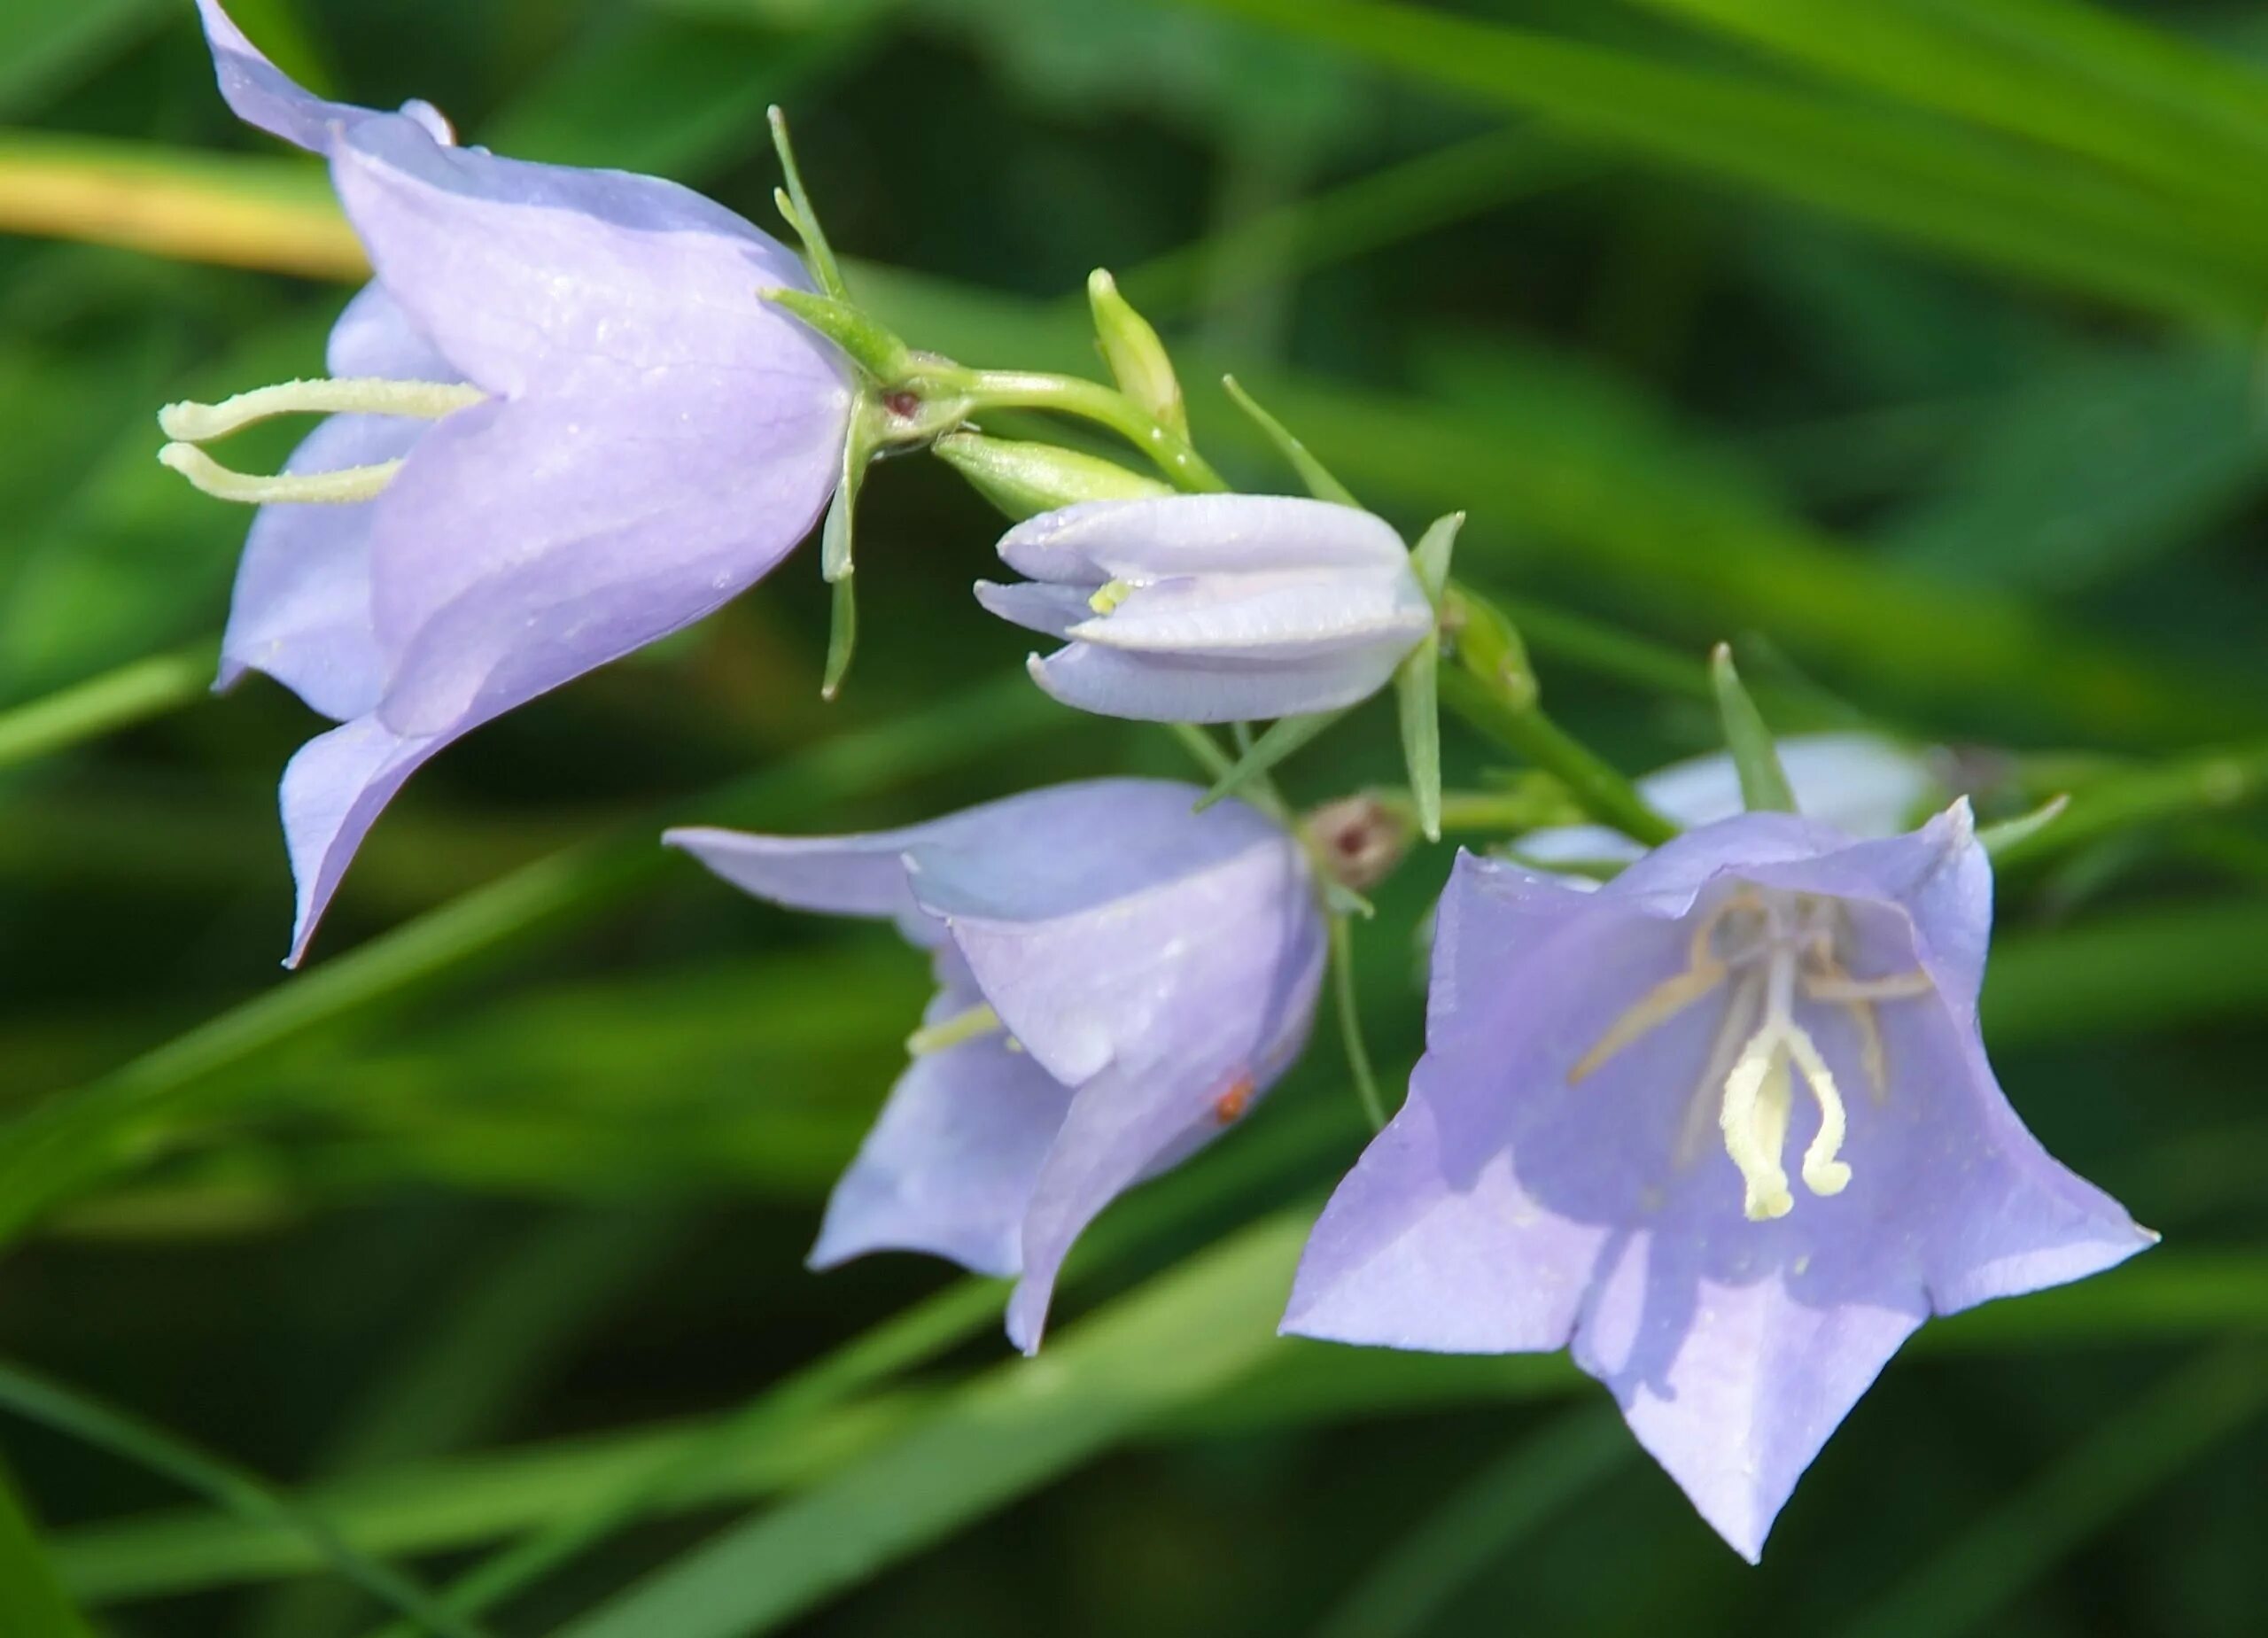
[[1110, 595]]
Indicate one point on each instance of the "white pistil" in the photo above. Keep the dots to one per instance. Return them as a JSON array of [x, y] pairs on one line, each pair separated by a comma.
[[345, 486], [191, 424], [352, 395], [975, 1022], [1759, 1047]]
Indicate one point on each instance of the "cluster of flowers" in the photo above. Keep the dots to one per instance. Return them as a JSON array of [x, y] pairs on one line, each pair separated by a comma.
[[563, 423]]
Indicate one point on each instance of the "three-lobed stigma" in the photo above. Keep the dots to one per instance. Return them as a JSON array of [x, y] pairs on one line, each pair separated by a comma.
[[189, 424], [1767, 949]]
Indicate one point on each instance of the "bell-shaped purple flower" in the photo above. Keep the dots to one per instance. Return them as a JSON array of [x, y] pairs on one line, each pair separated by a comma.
[[569, 425], [1213, 607], [1118, 979], [1597, 1147]]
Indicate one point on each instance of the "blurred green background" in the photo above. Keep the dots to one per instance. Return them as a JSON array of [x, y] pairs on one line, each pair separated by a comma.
[[1913, 343]]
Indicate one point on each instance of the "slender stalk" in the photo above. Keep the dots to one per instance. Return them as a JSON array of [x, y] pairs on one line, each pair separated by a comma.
[[1530, 734], [1350, 1024], [1085, 400], [2206, 783]]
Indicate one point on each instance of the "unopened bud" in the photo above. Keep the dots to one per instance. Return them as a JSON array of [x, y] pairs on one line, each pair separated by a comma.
[[1136, 358], [1026, 479]]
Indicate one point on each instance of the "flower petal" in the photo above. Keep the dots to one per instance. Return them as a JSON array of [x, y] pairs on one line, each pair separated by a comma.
[[1169, 535], [1859, 783], [1149, 689], [1277, 619], [525, 544], [263, 94], [546, 277], [1052, 611], [949, 1166], [301, 609], [333, 790]]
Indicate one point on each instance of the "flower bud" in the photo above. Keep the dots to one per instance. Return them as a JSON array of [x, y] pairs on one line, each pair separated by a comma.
[[1213, 607], [1025, 479], [1136, 358]]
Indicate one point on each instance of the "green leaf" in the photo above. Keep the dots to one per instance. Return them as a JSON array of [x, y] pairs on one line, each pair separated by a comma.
[[69, 1412], [72, 1140], [1413, 1583], [1985, 200], [32, 1599], [1015, 1428], [2191, 1413], [1763, 782]]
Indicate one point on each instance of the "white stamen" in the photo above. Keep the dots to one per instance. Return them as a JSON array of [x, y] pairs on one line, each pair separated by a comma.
[[1838, 985], [1663, 1003], [976, 1021], [359, 395], [342, 487]]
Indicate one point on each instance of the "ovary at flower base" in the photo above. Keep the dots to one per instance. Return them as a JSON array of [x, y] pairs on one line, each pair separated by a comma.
[[1120, 979], [1723, 1127], [563, 423]]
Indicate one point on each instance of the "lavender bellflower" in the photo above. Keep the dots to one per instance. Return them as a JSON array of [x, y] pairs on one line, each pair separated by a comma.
[[1213, 607], [1596, 1149], [1118, 979], [562, 423]]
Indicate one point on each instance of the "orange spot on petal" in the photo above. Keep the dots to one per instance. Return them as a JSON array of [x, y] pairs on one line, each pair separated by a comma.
[[1229, 1107]]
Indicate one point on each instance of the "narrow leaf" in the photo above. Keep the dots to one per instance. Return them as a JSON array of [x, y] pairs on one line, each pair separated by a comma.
[[1417, 693]]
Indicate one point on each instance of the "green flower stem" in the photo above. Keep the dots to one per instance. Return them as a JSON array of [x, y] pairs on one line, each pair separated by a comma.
[[1344, 1001], [1526, 732], [1086, 401]]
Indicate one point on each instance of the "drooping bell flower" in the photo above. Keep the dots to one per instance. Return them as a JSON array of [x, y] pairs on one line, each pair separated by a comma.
[[1862, 784], [1119, 980], [1213, 607], [1723, 1128], [563, 423]]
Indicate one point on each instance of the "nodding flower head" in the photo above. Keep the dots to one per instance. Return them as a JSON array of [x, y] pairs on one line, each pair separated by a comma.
[[1723, 1127], [1213, 607], [1118, 979], [560, 423]]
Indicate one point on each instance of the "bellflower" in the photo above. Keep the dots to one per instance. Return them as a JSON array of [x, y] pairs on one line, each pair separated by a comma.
[[563, 424], [1617, 1084], [1213, 607], [1118, 979], [1862, 784]]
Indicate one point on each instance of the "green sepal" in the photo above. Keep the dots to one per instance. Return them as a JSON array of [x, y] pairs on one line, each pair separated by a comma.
[[1025, 479], [1285, 735], [1312, 472], [842, 635], [1136, 358], [1416, 688], [2005, 836], [818, 255], [1342, 900], [877, 353], [1430, 557], [1764, 786]]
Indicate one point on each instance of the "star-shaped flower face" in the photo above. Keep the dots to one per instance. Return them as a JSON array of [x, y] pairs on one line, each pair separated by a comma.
[[1213, 607], [1120, 978], [1723, 1127], [574, 425]]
